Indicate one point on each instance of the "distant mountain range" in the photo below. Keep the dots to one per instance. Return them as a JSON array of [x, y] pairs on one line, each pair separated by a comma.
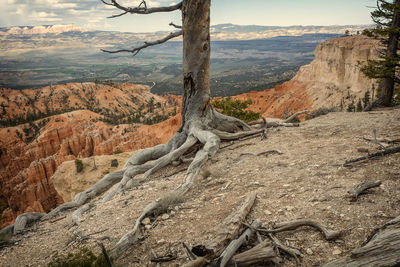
[[218, 32], [43, 29]]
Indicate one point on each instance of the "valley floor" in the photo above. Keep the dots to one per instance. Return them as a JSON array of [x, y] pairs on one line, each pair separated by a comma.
[[307, 181]]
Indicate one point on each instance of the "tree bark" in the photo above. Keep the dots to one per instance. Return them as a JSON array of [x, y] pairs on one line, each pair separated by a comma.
[[196, 60]]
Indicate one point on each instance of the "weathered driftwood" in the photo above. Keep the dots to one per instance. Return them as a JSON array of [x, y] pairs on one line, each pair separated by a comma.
[[259, 121], [382, 140], [231, 249], [286, 226], [226, 231], [199, 262], [291, 118], [271, 151], [165, 258], [382, 153], [360, 188], [382, 249], [230, 227], [24, 219], [78, 213], [291, 251], [262, 123], [284, 124], [262, 252], [5, 235]]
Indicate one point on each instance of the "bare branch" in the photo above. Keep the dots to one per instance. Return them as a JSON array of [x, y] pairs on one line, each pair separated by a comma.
[[142, 8], [118, 15], [136, 50], [174, 25]]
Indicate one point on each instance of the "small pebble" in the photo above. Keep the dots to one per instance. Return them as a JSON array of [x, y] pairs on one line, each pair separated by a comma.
[[309, 251], [146, 221], [165, 216], [336, 251]]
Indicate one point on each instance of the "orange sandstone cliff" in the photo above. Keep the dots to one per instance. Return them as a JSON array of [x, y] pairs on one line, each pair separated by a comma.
[[332, 79]]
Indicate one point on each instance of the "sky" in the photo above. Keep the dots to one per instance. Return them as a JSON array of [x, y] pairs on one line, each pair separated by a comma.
[[91, 14]]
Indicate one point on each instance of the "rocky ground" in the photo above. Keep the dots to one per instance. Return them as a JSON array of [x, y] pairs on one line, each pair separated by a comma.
[[307, 181]]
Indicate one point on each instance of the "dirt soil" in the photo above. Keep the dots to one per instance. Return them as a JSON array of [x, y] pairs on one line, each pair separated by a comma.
[[307, 181]]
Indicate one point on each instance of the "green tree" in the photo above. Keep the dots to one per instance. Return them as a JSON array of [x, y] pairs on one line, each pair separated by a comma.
[[236, 108], [366, 99], [359, 106], [387, 19]]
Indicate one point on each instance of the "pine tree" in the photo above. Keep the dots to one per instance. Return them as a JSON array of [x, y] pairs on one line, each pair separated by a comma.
[[387, 19]]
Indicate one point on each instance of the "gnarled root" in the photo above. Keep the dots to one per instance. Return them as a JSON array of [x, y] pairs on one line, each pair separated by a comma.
[[211, 144], [24, 219]]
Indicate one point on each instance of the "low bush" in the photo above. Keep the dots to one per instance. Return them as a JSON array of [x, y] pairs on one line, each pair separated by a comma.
[[79, 165]]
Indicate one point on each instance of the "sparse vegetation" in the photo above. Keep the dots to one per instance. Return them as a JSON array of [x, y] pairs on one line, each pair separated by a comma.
[[236, 108], [79, 165], [114, 163], [117, 151], [83, 258]]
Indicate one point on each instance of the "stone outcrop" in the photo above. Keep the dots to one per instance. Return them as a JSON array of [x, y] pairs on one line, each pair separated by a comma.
[[332, 79]]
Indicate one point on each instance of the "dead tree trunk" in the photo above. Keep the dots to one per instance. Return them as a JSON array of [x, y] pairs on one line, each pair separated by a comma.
[[202, 126]]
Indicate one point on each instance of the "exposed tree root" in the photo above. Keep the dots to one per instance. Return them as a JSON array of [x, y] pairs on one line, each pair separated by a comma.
[[360, 188], [286, 226], [207, 131], [291, 118], [272, 151], [77, 213], [24, 219]]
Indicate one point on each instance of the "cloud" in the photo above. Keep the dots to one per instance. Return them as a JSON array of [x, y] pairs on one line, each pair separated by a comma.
[[37, 12], [87, 13]]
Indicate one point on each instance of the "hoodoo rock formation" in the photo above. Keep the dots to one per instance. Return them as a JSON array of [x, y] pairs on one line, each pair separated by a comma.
[[32, 150]]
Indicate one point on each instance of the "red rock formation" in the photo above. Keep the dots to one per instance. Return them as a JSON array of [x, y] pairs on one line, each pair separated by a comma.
[[27, 165]]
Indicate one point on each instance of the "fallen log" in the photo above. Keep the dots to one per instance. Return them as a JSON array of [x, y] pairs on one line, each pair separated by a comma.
[[382, 249], [236, 244], [360, 188], [374, 155], [228, 230], [260, 253], [230, 227]]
